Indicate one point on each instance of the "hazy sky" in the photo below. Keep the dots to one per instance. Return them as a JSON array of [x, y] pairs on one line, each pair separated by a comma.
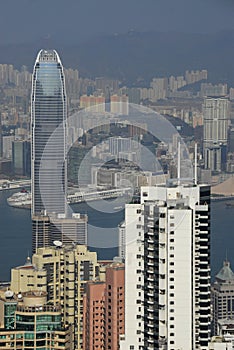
[[75, 20]]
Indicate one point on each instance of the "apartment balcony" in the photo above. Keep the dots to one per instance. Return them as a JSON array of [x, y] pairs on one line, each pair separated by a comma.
[[149, 319], [150, 332], [150, 310], [150, 256], [149, 278], [149, 233], [150, 294], [150, 248], [150, 302]]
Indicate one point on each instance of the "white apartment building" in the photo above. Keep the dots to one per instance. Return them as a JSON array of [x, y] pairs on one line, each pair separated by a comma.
[[216, 116], [167, 261]]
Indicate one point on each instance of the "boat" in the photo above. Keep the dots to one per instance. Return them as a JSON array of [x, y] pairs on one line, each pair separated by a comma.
[[20, 199], [118, 208]]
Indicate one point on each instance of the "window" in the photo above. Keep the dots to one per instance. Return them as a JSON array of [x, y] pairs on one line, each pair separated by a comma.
[[138, 211]]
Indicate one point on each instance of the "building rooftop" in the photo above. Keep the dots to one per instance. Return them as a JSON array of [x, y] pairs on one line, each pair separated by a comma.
[[225, 274]]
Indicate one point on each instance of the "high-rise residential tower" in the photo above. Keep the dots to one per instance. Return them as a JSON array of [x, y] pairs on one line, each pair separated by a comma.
[[49, 114], [167, 269], [216, 114]]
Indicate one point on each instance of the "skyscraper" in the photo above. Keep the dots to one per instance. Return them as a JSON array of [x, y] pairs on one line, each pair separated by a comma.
[[49, 114], [216, 116], [167, 269]]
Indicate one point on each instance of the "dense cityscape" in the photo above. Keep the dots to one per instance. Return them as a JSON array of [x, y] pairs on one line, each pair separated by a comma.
[[116, 175]]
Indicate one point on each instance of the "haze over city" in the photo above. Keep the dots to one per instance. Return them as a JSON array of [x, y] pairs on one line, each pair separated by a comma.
[[116, 175]]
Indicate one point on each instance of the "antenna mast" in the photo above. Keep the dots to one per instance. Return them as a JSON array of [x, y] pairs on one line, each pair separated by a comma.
[[178, 165], [195, 165]]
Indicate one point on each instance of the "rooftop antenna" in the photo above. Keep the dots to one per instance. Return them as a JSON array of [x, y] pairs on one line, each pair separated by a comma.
[[195, 165], [178, 165]]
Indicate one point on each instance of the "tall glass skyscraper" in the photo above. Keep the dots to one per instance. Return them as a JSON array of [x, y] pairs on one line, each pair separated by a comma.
[[49, 114]]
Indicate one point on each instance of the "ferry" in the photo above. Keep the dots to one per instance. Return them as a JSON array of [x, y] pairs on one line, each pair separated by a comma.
[[20, 199]]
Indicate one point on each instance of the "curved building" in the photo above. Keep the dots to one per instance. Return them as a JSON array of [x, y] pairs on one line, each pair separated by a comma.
[[49, 114]]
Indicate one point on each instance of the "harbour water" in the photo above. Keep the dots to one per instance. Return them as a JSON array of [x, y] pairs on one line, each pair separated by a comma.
[[15, 234]]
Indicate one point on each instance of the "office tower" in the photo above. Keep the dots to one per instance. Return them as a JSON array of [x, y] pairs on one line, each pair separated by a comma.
[[40, 231], [68, 270], [69, 230], [167, 263], [28, 322], [223, 297], [7, 146], [216, 115], [49, 111], [104, 310], [21, 157]]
